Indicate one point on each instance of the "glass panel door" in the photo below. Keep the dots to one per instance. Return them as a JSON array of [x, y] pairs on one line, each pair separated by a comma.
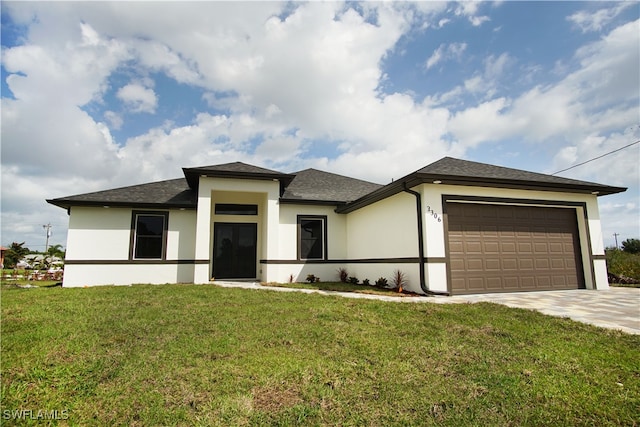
[[234, 250]]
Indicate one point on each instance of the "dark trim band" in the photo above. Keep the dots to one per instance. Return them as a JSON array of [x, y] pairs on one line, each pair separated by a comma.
[[407, 260], [134, 261], [509, 201]]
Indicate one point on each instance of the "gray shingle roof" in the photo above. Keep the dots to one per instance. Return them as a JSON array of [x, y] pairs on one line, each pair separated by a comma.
[[170, 193], [463, 172], [315, 185], [450, 167]]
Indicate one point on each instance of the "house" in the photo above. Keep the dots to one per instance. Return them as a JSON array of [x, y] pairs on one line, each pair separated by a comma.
[[452, 227]]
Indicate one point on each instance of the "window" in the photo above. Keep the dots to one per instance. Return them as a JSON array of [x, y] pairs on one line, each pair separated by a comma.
[[233, 209], [149, 235], [312, 237]]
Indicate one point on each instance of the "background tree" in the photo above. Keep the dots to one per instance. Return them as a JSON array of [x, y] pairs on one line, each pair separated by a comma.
[[15, 253], [631, 246], [55, 250]]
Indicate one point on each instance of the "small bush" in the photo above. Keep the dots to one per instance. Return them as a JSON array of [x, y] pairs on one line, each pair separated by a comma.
[[623, 265], [354, 280], [399, 280], [343, 275], [312, 278], [366, 282], [382, 283]]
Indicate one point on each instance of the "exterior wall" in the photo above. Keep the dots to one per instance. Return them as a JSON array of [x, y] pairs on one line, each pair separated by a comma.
[[284, 265], [387, 232], [227, 190], [98, 246], [80, 275]]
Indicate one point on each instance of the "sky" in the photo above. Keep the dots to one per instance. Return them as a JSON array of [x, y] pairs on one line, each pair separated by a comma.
[[100, 95]]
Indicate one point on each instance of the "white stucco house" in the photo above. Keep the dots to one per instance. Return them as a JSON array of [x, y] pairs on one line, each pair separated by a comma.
[[453, 227]]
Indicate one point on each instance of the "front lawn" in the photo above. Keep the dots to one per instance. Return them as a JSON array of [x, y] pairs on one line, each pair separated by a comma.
[[204, 355]]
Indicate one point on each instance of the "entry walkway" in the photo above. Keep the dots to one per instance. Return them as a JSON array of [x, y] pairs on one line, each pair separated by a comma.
[[613, 308]]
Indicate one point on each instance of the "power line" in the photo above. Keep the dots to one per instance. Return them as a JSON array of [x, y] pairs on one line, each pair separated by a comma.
[[596, 158]]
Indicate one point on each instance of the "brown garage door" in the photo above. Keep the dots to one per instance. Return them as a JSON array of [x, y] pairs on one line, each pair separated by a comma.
[[498, 248]]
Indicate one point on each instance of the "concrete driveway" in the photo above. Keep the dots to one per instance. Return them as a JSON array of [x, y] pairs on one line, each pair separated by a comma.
[[613, 308]]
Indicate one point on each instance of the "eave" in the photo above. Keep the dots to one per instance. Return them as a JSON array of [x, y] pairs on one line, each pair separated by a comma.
[[415, 179]]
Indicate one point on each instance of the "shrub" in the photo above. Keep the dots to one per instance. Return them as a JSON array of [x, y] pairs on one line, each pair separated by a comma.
[[354, 280], [343, 275], [382, 283], [366, 282], [623, 264], [312, 279], [399, 280]]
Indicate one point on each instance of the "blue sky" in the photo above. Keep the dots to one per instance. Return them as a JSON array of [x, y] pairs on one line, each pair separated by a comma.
[[97, 95]]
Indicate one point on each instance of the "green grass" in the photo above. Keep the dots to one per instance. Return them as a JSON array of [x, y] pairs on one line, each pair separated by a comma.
[[203, 355], [338, 287]]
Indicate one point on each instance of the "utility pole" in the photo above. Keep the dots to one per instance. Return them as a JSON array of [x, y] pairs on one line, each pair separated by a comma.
[[616, 237], [48, 231]]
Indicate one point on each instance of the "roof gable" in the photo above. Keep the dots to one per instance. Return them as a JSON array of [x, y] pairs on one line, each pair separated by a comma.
[[312, 185], [233, 170]]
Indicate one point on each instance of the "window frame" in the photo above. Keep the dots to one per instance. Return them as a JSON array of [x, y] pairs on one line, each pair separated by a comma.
[[134, 235], [323, 220], [244, 209]]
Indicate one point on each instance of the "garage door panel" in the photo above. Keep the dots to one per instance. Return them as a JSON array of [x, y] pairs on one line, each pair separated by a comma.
[[541, 248], [509, 264], [473, 247], [501, 248], [507, 247], [456, 247], [492, 265], [491, 247], [525, 247], [474, 264]]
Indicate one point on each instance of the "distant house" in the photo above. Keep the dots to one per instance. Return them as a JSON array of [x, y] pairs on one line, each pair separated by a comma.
[[453, 227], [2, 251]]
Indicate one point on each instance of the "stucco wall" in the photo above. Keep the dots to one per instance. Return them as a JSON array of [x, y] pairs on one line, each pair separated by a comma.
[[102, 235]]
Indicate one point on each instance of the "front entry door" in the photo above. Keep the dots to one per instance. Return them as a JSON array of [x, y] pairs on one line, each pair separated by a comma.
[[234, 250]]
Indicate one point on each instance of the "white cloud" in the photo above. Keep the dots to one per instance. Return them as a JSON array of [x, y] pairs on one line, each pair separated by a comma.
[[600, 96], [589, 21], [114, 119], [469, 9], [446, 52], [138, 99]]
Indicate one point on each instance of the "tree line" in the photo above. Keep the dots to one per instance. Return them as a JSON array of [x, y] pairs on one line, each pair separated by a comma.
[[17, 251]]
